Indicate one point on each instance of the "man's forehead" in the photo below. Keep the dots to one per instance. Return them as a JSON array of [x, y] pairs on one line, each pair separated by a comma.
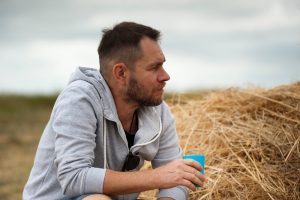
[[155, 58], [148, 43], [152, 47]]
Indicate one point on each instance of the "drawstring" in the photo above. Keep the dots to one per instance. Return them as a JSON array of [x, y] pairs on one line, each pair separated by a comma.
[[104, 142], [152, 140]]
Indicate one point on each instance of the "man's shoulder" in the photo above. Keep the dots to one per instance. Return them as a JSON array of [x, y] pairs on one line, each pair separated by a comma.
[[79, 89], [78, 92]]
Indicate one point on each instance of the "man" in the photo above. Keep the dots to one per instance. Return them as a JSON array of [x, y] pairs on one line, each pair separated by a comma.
[[104, 125]]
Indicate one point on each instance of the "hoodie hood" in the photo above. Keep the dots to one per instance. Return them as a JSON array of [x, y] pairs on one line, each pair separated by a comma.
[[93, 76]]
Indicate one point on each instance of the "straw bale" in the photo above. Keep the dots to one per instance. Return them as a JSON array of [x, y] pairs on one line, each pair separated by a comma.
[[251, 140]]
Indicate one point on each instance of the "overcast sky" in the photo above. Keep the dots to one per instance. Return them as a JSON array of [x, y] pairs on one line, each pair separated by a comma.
[[207, 44]]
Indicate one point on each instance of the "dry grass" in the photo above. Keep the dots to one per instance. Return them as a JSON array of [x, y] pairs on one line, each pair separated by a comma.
[[251, 139], [22, 119]]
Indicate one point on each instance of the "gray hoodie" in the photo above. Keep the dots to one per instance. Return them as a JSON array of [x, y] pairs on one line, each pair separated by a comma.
[[70, 156]]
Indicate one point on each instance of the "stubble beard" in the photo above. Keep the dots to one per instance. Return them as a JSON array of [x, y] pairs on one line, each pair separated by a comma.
[[138, 94]]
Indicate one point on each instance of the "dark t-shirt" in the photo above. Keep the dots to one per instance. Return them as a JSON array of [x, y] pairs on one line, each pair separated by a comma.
[[130, 139]]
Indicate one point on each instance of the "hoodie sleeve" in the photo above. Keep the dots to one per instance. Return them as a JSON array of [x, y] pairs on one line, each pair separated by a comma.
[[75, 124], [169, 149]]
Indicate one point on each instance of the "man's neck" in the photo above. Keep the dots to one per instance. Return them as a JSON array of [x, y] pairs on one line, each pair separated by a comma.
[[126, 116], [125, 108], [125, 112]]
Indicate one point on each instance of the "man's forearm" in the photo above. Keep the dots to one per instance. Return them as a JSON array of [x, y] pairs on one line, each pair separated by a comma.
[[128, 182], [178, 172]]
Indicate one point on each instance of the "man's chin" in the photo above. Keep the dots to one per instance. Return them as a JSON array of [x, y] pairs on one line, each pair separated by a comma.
[[153, 102]]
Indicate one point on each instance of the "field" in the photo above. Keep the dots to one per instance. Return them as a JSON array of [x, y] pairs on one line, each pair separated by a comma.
[[250, 138], [22, 120]]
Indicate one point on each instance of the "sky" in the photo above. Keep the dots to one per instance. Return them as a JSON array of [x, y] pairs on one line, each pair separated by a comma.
[[207, 43]]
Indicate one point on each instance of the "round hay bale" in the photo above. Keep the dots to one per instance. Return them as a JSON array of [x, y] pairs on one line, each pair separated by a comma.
[[251, 140]]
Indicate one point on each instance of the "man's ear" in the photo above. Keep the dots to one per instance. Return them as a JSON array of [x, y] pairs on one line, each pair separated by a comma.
[[120, 73]]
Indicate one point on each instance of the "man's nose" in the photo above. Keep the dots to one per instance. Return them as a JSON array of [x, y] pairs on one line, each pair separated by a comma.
[[163, 76]]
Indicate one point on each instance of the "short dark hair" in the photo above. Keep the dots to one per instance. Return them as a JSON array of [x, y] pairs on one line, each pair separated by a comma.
[[121, 44]]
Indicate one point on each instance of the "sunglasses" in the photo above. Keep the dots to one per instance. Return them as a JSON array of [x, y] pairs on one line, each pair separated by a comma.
[[131, 162]]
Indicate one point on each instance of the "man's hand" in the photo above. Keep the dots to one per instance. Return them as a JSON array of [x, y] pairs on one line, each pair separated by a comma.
[[179, 172]]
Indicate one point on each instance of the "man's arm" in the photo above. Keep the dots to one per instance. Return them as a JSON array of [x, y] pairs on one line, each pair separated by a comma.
[[177, 172]]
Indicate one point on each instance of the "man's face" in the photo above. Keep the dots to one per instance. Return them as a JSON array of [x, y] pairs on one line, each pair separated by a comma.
[[147, 80]]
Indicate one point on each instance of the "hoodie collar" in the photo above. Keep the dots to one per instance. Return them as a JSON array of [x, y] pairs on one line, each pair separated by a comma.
[[149, 126]]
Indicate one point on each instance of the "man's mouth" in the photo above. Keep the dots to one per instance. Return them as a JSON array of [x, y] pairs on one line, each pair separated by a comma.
[[162, 86]]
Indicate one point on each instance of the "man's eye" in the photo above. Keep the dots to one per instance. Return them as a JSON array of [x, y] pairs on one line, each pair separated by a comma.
[[158, 66], [154, 67]]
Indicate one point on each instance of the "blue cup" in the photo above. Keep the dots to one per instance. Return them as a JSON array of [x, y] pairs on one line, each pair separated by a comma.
[[198, 158]]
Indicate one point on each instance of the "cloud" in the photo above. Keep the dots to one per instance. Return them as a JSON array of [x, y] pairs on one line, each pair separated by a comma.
[[45, 66], [219, 43], [68, 19], [188, 73]]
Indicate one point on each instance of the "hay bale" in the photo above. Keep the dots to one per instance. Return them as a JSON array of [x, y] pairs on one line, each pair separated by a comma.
[[251, 139]]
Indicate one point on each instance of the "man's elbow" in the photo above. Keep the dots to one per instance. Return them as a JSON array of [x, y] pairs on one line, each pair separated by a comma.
[[72, 182]]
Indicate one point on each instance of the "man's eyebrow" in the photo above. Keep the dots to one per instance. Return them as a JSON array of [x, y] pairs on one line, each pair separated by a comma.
[[158, 62], [154, 64]]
